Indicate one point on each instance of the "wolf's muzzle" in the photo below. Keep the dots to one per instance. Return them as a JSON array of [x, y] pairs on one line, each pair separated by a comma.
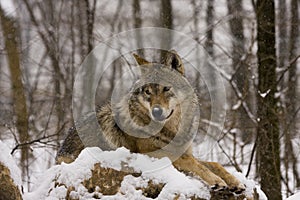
[[157, 113]]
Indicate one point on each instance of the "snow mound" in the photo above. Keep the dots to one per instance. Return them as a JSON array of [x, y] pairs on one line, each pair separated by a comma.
[[120, 174]]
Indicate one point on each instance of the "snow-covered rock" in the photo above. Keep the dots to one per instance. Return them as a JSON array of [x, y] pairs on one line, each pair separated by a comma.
[[120, 174], [10, 175]]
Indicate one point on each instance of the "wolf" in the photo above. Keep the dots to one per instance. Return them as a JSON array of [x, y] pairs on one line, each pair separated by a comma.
[[152, 104]]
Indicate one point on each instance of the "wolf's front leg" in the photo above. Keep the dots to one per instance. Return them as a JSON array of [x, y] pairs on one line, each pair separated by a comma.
[[188, 163], [233, 183]]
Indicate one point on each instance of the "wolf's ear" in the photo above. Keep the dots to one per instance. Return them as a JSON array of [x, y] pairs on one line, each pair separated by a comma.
[[174, 61], [140, 60]]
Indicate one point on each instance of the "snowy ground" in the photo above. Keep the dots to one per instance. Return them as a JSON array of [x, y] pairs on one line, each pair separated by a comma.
[[159, 170]]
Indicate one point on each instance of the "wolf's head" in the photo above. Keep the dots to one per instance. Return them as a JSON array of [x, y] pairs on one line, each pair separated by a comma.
[[158, 100]]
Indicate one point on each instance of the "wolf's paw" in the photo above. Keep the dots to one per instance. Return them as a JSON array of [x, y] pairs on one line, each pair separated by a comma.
[[218, 188], [219, 185], [237, 188]]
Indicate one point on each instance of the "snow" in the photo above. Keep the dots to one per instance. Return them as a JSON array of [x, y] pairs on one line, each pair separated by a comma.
[[264, 94], [157, 170], [8, 7], [237, 105], [250, 184], [160, 170], [7, 160], [258, 119], [294, 197]]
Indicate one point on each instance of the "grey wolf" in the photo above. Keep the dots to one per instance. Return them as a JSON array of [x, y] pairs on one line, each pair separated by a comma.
[[152, 103]]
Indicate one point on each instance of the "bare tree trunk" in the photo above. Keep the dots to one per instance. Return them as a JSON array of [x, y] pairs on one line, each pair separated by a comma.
[[209, 34], [166, 14], [82, 28], [196, 35], [90, 72], [209, 42], [241, 74], [137, 23], [292, 72], [282, 27], [166, 20], [11, 37], [90, 14], [291, 101], [268, 142], [282, 34], [116, 24]]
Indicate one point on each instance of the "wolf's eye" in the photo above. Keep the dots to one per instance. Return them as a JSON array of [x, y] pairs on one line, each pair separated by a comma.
[[147, 92], [166, 89]]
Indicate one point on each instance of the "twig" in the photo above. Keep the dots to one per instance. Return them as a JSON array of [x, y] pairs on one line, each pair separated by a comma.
[[251, 157], [287, 68], [38, 140], [230, 160]]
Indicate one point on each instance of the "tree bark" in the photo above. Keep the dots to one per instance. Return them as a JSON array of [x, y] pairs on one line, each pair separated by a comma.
[[166, 14], [137, 23], [166, 20], [292, 88], [209, 42], [209, 22], [268, 143], [282, 34], [292, 72], [241, 72], [90, 14], [11, 37]]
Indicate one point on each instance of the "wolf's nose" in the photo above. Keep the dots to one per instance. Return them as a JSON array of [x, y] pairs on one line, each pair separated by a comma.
[[157, 112]]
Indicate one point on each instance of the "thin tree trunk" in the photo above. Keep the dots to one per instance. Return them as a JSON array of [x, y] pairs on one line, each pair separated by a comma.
[[292, 72], [241, 74], [137, 23], [11, 37], [268, 143], [209, 42], [81, 23], [166, 19], [282, 34], [196, 35], [292, 87], [209, 22], [166, 14], [282, 26], [90, 14]]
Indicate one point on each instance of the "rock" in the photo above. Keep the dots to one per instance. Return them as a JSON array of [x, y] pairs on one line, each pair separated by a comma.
[[8, 189], [120, 174]]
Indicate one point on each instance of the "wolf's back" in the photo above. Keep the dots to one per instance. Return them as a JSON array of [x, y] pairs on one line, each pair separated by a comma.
[[95, 130], [71, 147], [89, 135]]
